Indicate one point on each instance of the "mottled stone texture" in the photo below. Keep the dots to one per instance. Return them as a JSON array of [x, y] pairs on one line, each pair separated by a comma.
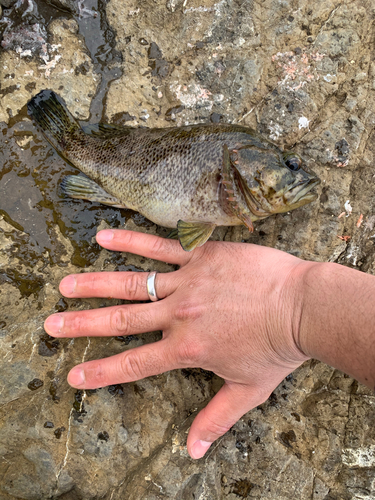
[[302, 73]]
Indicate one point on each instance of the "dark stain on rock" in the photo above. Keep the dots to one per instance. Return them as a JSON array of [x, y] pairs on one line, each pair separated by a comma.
[[6, 217], [58, 432], [61, 305], [241, 488], [27, 284], [78, 406], [53, 391], [103, 436], [342, 149], [48, 346], [296, 416], [243, 447], [35, 384], [126, 339], [90, 392], [121, 118], [139, 390], [324, 196], [8, 90], [30, 87], [216, 118], [154, 52], [82, 69], [286, 438], [159, 66], [171, 113], [116, 390], [272, 400]]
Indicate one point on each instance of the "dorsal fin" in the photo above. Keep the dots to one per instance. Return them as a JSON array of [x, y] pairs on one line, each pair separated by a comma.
[[107, 130]]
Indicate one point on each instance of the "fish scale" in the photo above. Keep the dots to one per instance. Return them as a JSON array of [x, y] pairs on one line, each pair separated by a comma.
[[174, 176]]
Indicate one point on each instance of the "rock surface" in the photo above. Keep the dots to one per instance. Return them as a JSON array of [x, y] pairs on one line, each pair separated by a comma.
[[300, 72]]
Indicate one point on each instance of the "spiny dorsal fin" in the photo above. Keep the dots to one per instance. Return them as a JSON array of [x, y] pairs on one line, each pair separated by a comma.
[[106, 130], [193, 234]]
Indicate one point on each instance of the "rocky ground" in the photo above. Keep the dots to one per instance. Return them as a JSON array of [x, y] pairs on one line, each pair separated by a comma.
[[303, 74]]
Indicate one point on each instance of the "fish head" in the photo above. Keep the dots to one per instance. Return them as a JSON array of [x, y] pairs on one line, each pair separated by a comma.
[[272, 181]]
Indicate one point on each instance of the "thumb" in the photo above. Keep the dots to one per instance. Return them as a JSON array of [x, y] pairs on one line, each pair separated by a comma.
[[222, 412]]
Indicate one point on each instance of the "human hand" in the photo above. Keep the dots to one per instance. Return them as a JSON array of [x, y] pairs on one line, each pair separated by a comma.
[[230, 308]]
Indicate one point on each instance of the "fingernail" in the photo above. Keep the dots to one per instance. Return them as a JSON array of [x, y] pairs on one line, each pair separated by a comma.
[[105, 236], [68, 285], [54, 324], [76, 377], [199, 448]]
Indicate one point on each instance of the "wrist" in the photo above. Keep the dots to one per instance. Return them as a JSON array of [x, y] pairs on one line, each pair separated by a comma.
[[303, 287]]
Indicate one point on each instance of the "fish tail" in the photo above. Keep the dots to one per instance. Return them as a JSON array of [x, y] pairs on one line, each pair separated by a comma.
[[49, 111]]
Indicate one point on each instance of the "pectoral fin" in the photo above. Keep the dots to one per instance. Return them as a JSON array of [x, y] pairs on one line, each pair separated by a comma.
[[83, 188], [230, 195], [173, 235], [193, 234]]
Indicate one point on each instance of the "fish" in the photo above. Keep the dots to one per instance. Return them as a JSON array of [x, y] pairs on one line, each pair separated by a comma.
[[191, 178]]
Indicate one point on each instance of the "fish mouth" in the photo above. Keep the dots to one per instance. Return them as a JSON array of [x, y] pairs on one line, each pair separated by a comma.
[[303, 191]]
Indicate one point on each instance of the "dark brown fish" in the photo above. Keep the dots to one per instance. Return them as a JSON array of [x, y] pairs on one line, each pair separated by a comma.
[[191, 178]]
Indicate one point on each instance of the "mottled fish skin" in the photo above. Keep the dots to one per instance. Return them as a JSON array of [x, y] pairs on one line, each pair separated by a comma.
[[165, 174]]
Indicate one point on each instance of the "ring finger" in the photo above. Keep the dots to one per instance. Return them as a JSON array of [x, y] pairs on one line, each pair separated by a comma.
[[128, 319], [117, 285]]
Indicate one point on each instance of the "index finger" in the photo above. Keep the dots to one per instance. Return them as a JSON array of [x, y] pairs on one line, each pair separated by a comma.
[[148, 245]]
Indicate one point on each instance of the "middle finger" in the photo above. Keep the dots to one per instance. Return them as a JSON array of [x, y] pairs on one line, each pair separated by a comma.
[[128, 319]]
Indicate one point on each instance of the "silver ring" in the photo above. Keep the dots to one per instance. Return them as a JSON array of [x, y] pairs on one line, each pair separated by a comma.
[[151, 286]]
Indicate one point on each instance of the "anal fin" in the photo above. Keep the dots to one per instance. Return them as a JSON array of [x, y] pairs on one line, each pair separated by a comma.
[[194, 234], [83, 188]]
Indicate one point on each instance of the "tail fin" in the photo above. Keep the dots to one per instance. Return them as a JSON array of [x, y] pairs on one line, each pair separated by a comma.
[[49, 111]]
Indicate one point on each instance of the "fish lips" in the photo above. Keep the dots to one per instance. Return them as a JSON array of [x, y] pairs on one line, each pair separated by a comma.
[[303, 191]]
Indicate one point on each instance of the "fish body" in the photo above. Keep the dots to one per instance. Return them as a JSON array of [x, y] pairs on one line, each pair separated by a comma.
[[192, 178]]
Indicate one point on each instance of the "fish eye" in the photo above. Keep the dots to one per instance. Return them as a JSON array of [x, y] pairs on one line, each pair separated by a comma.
[[293, 162]]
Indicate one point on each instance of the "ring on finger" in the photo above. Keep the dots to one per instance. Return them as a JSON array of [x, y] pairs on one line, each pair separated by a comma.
[[151, 286]]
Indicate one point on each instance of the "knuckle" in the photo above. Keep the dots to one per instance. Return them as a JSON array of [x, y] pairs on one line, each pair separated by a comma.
[[132, 286], [189, 353], [119, 321], [215, 428], [100, 375], [130, 367], [126, 237], [188, 311], [77, 324], [159, 245]]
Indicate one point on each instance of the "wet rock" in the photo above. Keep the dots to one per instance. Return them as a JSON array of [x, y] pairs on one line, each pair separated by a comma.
[[302, 76], [41, 63], [7, 3]]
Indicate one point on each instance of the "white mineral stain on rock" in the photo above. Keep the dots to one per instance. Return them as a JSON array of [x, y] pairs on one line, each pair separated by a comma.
[[191, 95], [303, 122], [348, 208], [361, 457], [275, 130]]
